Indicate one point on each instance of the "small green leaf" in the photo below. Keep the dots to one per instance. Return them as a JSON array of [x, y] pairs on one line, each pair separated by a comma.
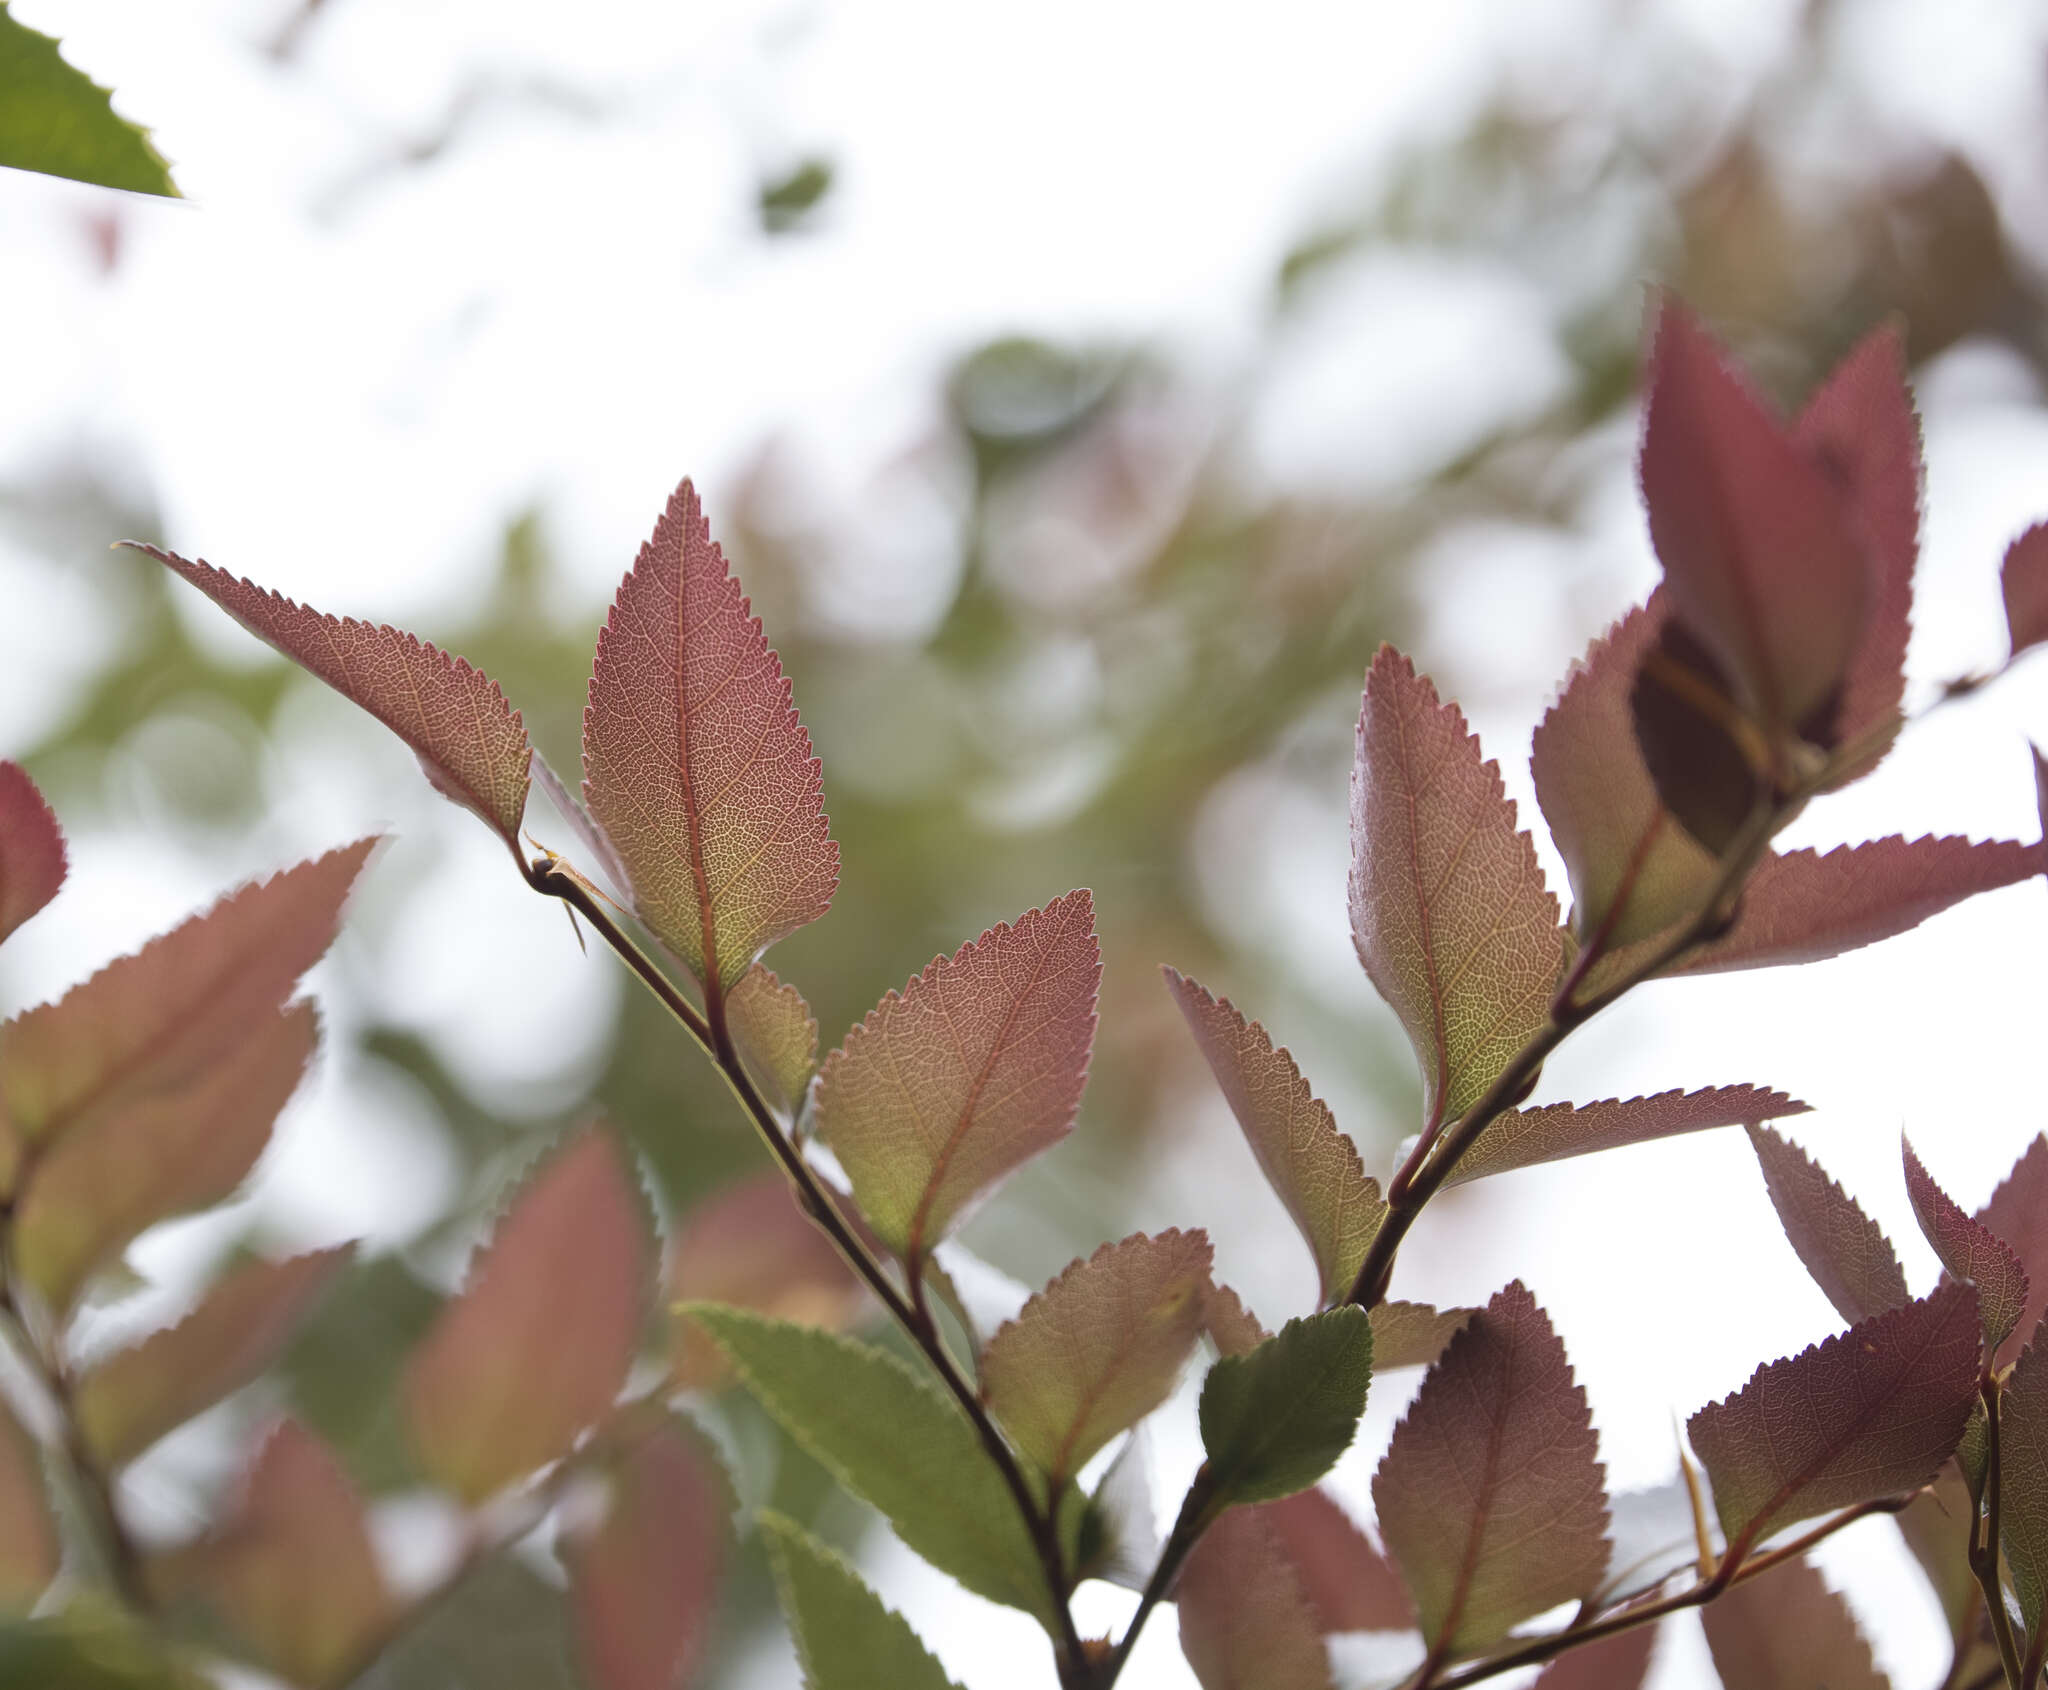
[[89, 1646], [57, 120], [1412, 1334], [846, 1638], [776, 1033], [1275, 1419]]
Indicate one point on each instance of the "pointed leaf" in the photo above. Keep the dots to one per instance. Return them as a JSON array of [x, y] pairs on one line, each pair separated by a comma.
[[1523, 1138], [975, 1067], [1348, 1583], [29, 1549], [128, 1401], [776, 1033], [695, 764], [892, 1440], [55, 119], [1969, 1250], [1448, 910], [471, 744], [1245, 1621], [1937, 1526], [2017, 1213], [1275, 1419], [537, 1344], [1312, 1167], [1620, 1662], [1491, 1497], [1412, 1334], [2023, 578], [1785, 1630], [31, 847], [1846, 1251], [845, 1637], [1864, 1414], [1098, 1349], [1232, 1327], [2023, 1481]]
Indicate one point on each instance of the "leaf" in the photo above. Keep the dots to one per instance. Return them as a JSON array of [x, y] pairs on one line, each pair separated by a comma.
[[1491, 1497], [2023, 579], [58, 121], [2017, 1212], [2023, 1481], [895, 1442], [974, 1068], [644, 1580], [1970, 1251], [1846, 1251], [1275, 1419], [1347, 1582], [471, 744], [1937, 1526], [32, 864], [776, 1033], [695, 764], [1448, 910], [1761, 559], [1232, 1327], [1861, 1415], [504, 1627], [90, 1645], [1708, 761], [750, 1246], [845, 1637], [1127, 1546], [1620, 1662], [29, 1550], [1313, 1168], [1412, 1334], [1523, 1138], [133, 1397], [1786, 1630], [537, 1344], [1098, 1349], [1245, 1621]]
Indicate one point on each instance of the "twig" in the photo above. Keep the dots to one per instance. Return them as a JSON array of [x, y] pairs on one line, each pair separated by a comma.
[[1985, 1542]]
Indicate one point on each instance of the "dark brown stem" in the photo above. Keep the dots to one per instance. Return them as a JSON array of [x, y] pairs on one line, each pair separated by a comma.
[[1985, 1545], [1197, 1510]]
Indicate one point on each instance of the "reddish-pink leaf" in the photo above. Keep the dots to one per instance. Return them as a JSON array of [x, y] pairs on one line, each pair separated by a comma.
[[750, 1247], [1448, 909], [1347, 1582], [31, 849], [1234, 1329], [2024, 581], [1620, 1662], [776, 1033], [1861, 1415], [1785, 1630], [976, 1066], [2017, 1212], [2023, 1480], [1491, 1497], [1412, 1334], [1971, 1251], [695, 764], [29, 1549], [1245, 1621], [128, 1401], [538, 1343], [643, 1581], [470, 742], [1098, 1349], [1314, 1168], [1764, 565], [1846, 1251], [1522, 1138]]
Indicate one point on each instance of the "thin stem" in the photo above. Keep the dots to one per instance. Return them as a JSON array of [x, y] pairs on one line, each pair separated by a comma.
[[1985, 1544], [1196, 1511]]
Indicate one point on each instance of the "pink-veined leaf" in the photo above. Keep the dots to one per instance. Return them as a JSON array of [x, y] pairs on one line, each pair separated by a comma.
[[776, 1033], [1861, 1415], [1844, 1250], [2023, 1480], [695, 765], [1785, 1630], [1098, 1349], [644, 1578], [30, 1552], [1312, 1167], [975, 1067], [1763, 563], [471, 744], [1523, 1138], [1246, 1623], [1448, 909], [1620, 1662], [1232, 1327], [1412, 1334], [133, 1397], [2023, 579], [1491, 1496], [1970, 1250], [538, 1343], [1347, 1581], [2017, 1213], [31, 849]]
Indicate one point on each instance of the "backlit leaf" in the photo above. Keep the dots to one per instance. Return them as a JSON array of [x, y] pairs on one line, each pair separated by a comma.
[[1620, 1662], [892, 1440], [1127, 1548], [1491, 1497], [1245, 1621], [1098, 1349], [2017, 1212], [1232, 1327], [1275, 1419], [776, 1033], [2023, 1480], [1412, 1334], [976, 1066], [1785, 1630], [695, 764], [471, 744], [29, 1549], [1709, 764], [2023, 578], [55, 119], [31, 845], [1937, 1526], [1846, 1251], [133, 1397], [1524, 1137], [538, 1342], [91, 1645], [1861, 1415], [1313, 1168], [1347, 1581], [845, 1637], [1971, 1251], [1448, 910]]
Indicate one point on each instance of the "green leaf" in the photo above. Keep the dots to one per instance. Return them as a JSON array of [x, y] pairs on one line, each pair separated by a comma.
[[776, 1033], [1412, 1334], [2023, 1480], [31, 843], [1245, 1621], [89, 1646], [58, 121], [894, 1441], [1970, 1250], [1846, 1251], [1275, 1419], [1785, 1630], [1524, 1138], [29, 1548], [845, 1637]]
